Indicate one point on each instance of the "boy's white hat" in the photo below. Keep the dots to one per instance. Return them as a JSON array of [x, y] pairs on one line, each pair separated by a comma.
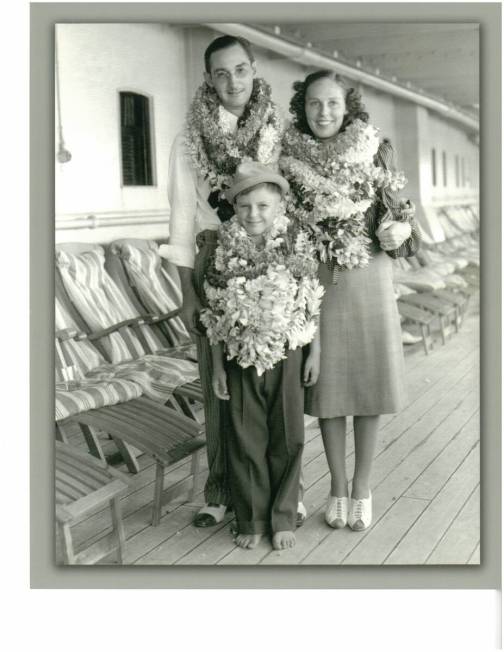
[[250, 174]]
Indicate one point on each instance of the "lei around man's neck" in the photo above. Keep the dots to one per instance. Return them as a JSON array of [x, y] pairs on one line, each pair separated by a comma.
[[204, 110], [215, 154]]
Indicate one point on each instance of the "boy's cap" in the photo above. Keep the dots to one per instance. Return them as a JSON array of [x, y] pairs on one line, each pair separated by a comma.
[[250, 174]]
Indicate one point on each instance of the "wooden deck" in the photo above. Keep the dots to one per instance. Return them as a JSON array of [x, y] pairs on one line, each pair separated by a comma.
[[425, 484]]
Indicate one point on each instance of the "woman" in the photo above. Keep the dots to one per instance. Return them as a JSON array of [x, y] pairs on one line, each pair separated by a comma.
[[344, 191]]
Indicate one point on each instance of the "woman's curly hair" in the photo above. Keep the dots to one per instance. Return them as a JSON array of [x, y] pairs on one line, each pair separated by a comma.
[[355, 109]]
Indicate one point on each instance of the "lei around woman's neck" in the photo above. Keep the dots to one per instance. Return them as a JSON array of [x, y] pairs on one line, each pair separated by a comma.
[[359, 140]]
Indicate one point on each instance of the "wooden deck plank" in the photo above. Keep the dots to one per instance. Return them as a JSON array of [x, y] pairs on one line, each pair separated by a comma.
[[210, 551], [175, 547], [315, 529], [426, 486], [391, 528], [417, 545], [475, 557], [401, 451], [146, 538], [186, 541], [139, 497], [320, 546], [459, 541]]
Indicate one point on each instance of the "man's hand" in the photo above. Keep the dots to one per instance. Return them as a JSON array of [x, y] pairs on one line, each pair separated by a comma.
[[189, 313], [219, 384]]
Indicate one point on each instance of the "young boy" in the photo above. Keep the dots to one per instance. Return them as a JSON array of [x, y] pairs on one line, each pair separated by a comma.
[[266, 432]]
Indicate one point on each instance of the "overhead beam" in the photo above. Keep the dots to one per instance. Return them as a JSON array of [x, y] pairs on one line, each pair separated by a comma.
[[309, 57]]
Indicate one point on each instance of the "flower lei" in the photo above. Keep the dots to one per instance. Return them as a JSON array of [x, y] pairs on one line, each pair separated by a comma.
[[216, 154], [262, 299], [333, 184]]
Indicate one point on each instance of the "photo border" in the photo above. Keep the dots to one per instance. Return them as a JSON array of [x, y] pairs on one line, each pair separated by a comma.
[[44, 572]]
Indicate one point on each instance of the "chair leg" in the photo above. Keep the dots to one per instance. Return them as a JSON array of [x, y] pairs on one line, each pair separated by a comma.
[[424, 338], [127, 454], [458, 319], [91, 437], [195, 472], [185, 406], [442, 327], [158, 494], [68, 551], [60, 434], [174, 405], [117, 522]]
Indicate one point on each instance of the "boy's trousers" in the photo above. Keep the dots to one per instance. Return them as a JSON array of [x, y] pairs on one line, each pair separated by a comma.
[[265, 444]]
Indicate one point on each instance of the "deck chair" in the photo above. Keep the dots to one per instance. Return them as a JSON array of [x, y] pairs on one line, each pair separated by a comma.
[[421, 318], [435, 287], [151, 282], [133, 421], [75, 393], [83, 484], [152, 285], [446, 312], [110, 321]]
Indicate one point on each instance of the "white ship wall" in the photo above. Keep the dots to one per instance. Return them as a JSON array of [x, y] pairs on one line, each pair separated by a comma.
[[165, 62]]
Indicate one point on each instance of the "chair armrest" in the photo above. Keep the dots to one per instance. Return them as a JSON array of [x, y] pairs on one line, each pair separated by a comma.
[[153, 319], [134, 321], [67, 334]]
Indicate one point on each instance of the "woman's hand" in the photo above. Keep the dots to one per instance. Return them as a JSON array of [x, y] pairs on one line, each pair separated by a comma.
[[219, 384], [392, 234], [408, 210], [311, 369]]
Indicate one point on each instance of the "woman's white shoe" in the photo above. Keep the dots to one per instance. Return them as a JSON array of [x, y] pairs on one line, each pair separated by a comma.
[[336, 514], [361, 513]]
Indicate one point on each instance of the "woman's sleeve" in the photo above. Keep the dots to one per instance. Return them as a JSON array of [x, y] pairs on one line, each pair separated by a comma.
[[392, 202]]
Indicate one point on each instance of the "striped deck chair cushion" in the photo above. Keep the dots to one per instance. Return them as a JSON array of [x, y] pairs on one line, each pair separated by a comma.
[[157, 290], [100, 302], [79, 354], [156, 375], [88, 394]]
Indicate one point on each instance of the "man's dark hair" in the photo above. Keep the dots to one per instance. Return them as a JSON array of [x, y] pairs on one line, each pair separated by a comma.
[[227, 41]]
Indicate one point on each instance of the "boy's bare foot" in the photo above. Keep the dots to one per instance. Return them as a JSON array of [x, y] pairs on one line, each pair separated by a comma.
[[247, 540], [284, 539]]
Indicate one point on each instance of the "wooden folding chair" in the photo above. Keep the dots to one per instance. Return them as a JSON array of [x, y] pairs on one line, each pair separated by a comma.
[[422, 318], [158, 431], [138, 325], [83, 484], [447, 313]]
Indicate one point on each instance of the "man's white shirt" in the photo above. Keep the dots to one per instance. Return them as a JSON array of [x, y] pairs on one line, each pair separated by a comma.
[[188, 193]]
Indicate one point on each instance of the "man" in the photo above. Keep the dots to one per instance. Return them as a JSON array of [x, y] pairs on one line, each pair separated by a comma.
[[231, 118]]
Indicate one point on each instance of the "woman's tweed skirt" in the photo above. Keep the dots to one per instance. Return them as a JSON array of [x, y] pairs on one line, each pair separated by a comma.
[[362, 364]]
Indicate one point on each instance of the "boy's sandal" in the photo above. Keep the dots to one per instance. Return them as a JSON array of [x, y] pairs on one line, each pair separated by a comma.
[[210, 515], [301, 515]]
